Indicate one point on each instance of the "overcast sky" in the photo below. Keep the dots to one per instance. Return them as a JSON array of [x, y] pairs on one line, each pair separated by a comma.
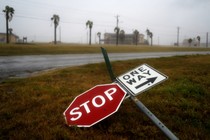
[[162, 17]]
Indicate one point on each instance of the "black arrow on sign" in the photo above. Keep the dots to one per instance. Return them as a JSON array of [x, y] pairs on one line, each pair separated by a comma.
[[149, 80]]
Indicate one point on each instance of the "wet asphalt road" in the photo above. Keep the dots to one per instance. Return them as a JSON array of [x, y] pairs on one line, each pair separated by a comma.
[[23, 66]]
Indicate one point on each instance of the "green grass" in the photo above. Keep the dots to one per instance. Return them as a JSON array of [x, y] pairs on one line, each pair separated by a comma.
[[37, 49], [32, 108]]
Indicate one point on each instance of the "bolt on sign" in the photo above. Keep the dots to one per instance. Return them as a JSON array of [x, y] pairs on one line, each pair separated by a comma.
[[94, 105], [141, 79]]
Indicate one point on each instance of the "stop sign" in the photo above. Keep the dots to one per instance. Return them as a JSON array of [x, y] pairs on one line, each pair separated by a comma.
[[94, 105]]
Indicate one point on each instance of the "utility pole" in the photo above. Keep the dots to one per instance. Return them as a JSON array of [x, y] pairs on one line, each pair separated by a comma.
[[117, 36], [117, 20], [60, 33], [178, 36], [87, 37], [95, 38], [207, 39]]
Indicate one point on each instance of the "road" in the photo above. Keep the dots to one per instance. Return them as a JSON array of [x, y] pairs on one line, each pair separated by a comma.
[[23, 66]]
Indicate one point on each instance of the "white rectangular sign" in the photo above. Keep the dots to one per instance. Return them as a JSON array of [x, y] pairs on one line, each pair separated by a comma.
[[141, 78]]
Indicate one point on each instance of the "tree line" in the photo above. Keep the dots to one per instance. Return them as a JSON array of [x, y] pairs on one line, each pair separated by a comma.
[[120, 34]]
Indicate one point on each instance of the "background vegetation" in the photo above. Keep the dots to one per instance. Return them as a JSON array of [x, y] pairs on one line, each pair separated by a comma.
[[32, 108]]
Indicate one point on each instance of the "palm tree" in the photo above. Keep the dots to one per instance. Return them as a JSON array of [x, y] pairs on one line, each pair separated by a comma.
[[122, 36], [99, 37], [10, 33], [90, 24], [117, 30], [9, 11], [56, 20], [147, 32], [190, 41], [136, 35], [199, 40], [151, 36]]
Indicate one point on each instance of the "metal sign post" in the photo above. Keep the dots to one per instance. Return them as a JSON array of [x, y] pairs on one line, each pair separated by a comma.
[[151, 116], [140, 105], [108, 64]]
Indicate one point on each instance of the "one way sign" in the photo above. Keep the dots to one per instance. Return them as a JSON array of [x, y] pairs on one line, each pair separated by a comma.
[[141, 78]]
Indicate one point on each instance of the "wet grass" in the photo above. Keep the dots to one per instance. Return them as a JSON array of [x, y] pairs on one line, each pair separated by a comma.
[[37, 49], [32, 108]]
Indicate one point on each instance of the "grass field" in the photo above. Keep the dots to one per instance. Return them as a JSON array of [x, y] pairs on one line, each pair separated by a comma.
[[32, 108], [37, 49]]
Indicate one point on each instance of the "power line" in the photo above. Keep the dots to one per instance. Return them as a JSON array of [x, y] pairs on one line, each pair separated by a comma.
[[95, 24], [35, 18], [49, 6], [24, 10], [68, 22], [46, 6]]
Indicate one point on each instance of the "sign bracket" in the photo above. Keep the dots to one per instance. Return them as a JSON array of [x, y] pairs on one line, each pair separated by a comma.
[[140, 105]]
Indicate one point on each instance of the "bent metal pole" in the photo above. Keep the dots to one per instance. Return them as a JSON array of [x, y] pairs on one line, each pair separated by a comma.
[[151, 116]]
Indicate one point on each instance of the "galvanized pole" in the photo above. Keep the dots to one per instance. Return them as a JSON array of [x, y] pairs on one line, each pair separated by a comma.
[[151, 116]]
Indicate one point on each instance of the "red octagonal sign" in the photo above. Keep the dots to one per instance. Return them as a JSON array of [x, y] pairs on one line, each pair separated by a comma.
[[94, 105]]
